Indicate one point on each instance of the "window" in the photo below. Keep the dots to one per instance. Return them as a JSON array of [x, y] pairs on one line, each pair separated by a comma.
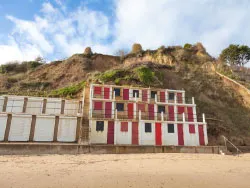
[[161, 109], [97, 105], [170, 128], [120, 106], [124, 126], [100, 126], [191, 129], [148, 128], [171, 96], [153, 93], [117, 91], [136, 93]]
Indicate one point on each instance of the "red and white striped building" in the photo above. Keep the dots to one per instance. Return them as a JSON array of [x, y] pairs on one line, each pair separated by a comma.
[[143, 116]]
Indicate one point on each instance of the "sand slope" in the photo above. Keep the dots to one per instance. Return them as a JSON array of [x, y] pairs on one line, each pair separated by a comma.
[[132, 170]]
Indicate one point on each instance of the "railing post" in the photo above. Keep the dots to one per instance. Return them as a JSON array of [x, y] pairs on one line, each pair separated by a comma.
[[203, 117], [156, 98], [114, 96], [183, 117], [139, 115], [162, 118], [115, 113], [192, 100]]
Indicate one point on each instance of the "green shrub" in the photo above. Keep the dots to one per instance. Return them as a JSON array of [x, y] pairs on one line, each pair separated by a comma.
[[17, 67], [145, 75], [136, 48], [35, 85], [187, 46], [69, 91], [111, 75]]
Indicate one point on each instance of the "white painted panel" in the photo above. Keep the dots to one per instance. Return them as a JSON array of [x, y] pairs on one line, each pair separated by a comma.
[[1, 103], [44, 129], [147, 138], [67, 129], [205, 134], [123, 137], [169, 139], [15, 104], [34, 106], [20, 128], [3, 122], [98, 137], [190, 139], [71, 107], [53, 106]]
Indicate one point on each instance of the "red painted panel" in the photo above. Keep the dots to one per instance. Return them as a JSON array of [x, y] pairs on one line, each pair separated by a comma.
[[111, 132], [135, 138], [191, 129], [180, 135], [201, 135], [106, 92], [151, 111], [144, 95], [162, 96], [124, 126], [141, 107], [130, 110], [190, 114], [179, 98], [125, 94], [171, 113], [97, 105], [97, 90], [181, 109], [158, 133], [108, 109]]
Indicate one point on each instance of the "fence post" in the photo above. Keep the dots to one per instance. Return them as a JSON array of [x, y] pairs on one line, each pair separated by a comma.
[[162, 118], [203, 117]]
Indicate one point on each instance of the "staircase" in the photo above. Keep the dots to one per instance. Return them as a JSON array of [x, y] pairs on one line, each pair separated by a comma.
[[85, 118]]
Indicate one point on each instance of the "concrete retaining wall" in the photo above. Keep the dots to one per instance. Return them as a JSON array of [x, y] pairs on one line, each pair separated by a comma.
[[56, 148]]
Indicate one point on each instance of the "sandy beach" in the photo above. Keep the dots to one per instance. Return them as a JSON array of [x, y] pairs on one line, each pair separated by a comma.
[[132, 170]]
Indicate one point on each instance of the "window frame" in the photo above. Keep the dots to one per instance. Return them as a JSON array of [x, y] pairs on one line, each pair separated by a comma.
[[172, 130], [146, 127]]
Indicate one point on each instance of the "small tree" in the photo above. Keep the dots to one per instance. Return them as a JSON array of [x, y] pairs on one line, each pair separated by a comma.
[[187, 46], [136, 48], [88, 51], [236, 55]]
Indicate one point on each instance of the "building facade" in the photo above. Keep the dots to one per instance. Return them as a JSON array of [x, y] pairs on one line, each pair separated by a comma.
[[125, 115]]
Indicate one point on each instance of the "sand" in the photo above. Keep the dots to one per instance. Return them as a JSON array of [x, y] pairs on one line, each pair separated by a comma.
[[131, 170]]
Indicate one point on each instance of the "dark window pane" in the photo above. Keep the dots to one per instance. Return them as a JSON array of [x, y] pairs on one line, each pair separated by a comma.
[[99, 125], [120, 106], [148, 128], [170, 128], [136, 93], [153, 93], [117, 91], [171, 96], [161, 109]]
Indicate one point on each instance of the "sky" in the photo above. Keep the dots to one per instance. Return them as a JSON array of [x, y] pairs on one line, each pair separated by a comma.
[[57, 29]]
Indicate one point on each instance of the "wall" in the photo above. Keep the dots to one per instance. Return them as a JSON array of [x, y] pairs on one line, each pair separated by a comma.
[[123, 137], [98, 137], [146, 138], [67, 129], [44, 130], [34, 106], [169, 138]]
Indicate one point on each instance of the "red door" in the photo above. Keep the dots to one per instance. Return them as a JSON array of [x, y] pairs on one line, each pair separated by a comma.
[[162, 96], [125, 94], [144, 95], [135, 140], [179, 97], [201, 135], [180, 135], [111, 132], [190, 114], [108, 109], [171, 113], [158, 140], [151, 112], [130, 110], [106, 93]]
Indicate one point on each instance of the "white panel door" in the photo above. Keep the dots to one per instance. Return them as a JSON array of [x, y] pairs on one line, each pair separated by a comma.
[[67, 129], [3, 122], [71, 107], [15, 104], [34, 106], [1, 103], [20, 128], [53, 106], [44, 129]]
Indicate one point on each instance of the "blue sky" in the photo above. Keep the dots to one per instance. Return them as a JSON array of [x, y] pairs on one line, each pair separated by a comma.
[[56, 29]]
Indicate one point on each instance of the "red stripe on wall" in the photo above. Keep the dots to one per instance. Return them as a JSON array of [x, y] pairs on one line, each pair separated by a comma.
[[190, 114], [180, 135], [125, 94], [162, 96], [111, 132], [151, 111], [135, 138], [144, 95], [130, 110], [179, 98], [181, 109], [158, 133], [106, 92], [108, 109], [171, 113], [201, 135], [97, 105]]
